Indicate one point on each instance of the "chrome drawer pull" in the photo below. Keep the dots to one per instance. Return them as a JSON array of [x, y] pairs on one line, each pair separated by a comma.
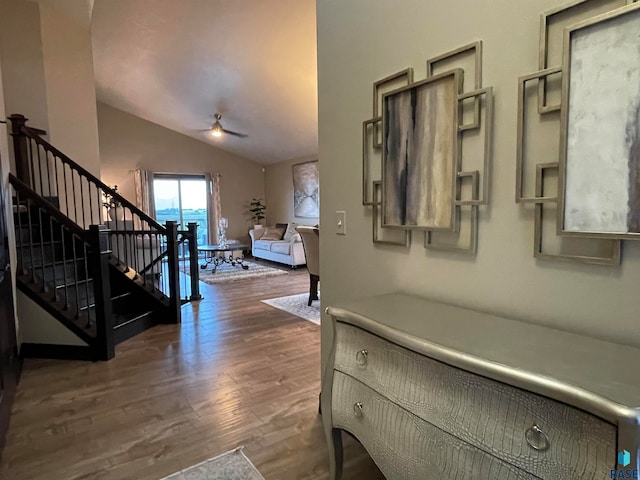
[[537, 439], [357, 409], [361, 357]]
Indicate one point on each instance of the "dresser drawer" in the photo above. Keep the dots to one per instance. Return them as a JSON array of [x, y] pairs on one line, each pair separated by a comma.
[[490, 415], [405, 446]]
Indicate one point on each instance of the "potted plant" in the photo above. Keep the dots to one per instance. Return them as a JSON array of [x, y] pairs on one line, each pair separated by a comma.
[[257, 209], [113, 206]]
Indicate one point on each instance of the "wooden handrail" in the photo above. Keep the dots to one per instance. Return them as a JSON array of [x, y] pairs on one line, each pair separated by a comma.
[[24, 189], [34, 135]]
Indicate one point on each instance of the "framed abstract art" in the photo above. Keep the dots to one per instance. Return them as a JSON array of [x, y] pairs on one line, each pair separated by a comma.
[[306, 190]]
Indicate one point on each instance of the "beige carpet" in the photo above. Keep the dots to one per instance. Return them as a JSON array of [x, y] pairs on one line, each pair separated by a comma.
[[233, 465], [297, 305], [231, 273]]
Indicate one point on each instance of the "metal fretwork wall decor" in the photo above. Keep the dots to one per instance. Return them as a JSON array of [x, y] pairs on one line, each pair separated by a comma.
[[585, 94], [427, 152]]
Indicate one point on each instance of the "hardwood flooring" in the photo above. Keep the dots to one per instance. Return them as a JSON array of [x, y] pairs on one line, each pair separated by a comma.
[[235, 372]]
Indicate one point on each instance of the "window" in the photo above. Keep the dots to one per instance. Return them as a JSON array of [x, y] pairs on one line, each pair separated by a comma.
[[182, 199]]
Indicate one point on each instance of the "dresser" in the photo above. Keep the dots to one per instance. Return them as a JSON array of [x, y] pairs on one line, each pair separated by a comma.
[[434, 391]]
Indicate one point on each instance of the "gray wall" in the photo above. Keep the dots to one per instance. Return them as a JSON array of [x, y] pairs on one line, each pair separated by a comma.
[[361, 41], [279, 192], [128, 142]]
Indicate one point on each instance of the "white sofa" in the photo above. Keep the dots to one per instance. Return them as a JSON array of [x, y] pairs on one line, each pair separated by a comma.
[[290, 252]]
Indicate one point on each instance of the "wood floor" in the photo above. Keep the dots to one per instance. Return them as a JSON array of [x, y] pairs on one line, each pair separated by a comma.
[[235, 372]]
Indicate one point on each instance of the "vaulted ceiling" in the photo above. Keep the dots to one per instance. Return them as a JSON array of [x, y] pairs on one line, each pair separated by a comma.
[[177, 63]]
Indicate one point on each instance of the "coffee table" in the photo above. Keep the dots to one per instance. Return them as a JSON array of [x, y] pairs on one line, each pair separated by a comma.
[[211, 255]]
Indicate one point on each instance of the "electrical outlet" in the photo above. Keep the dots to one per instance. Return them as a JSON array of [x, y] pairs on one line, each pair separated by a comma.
[[341, 223]]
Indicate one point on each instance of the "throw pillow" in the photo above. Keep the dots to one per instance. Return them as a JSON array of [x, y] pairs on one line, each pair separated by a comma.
[[257, 233], [271, 233], [290, 232]]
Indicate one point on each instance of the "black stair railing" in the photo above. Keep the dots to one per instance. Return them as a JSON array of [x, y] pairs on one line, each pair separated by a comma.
[[64, 265], [147, 251]]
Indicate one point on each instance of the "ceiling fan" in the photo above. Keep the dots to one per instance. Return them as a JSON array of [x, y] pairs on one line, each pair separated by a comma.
[[217, 129]]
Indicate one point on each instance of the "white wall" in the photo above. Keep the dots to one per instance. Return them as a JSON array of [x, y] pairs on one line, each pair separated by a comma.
[[48, 74], [279, 193], [25, 89], [128, 142], [71, 91], [361, 41], [37, 326]]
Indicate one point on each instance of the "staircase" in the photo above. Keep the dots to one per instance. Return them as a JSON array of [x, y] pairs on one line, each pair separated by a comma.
[[104, 284]]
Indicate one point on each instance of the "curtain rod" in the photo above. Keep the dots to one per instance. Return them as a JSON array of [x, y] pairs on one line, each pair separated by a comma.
[[218, 174]]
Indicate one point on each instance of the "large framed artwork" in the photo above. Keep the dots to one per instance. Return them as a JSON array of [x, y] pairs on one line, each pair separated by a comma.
[[599, 192], [306, 190], [419, 153], [426, 153]]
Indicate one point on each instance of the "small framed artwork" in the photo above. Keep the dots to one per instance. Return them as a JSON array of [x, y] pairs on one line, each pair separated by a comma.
[[306, 190], [599, 187], [419, 153]]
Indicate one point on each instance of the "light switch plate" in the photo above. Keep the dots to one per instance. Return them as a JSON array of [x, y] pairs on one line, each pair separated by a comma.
[[341, 223]]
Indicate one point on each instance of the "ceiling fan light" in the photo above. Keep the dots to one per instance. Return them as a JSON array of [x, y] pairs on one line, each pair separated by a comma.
[[216, 129]]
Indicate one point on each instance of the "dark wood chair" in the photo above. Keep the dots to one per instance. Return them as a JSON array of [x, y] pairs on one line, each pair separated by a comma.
[[311, 243]]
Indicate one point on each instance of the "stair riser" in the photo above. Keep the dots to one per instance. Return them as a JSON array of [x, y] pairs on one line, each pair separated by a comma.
[[26, 232], [126, 330], [49, 252], [61, 274]]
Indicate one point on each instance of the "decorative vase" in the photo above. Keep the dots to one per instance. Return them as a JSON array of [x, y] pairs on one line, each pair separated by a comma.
[[223, 223], [116, 213]]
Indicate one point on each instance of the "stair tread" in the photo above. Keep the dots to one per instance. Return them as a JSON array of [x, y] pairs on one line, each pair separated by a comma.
[[57, 262], [61, 277], [134, 316], [72, 284], [121, 296], [48, 242], [119, 319]]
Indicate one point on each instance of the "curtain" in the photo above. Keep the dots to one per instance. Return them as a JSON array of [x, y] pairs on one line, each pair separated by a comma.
[[214, 206], [143, 180]]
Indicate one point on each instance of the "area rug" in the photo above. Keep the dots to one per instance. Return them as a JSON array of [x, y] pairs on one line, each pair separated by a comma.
[[297, 305], [233, 465], [231, 273]]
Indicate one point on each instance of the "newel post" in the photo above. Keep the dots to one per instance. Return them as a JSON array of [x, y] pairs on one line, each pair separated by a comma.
[[20, 149], [194, 271], [99, 241], [174, 272]]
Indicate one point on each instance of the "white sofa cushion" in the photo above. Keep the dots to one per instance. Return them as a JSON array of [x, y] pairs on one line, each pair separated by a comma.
[[281, 246], [289, 232], [262, 245]]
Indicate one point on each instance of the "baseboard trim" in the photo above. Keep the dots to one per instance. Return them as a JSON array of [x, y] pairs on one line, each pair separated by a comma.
[[58, 352]]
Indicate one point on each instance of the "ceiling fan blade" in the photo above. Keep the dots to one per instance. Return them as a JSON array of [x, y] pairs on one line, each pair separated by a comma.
[[241, 135]]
